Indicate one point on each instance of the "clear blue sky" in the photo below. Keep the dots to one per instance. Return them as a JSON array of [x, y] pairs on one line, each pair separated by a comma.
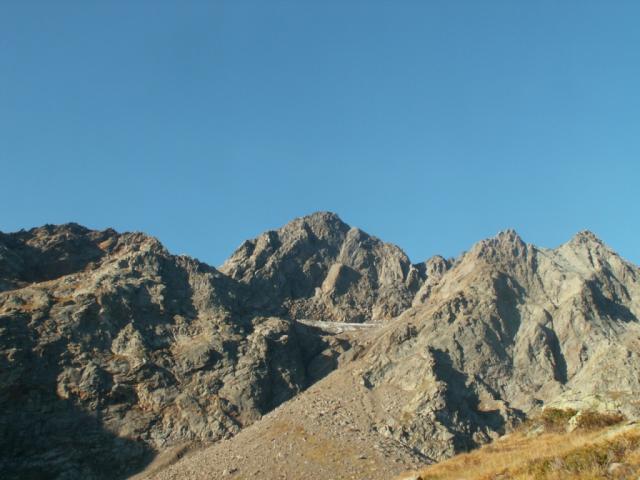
[[431, 124]]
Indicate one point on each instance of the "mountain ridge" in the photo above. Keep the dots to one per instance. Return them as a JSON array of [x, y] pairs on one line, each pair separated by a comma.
[[125, 342]]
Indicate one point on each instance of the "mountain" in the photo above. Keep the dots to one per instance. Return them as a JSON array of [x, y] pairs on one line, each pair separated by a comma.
[[115, 353], [510, 327], [317, 267], [498, 333], [112, 349]]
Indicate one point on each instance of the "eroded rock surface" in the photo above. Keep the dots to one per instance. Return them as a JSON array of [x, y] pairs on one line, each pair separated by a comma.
[[112, 349], [317, 267], [509, 328]]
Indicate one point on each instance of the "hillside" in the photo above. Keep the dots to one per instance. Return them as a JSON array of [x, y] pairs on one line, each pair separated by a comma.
[[561, 444], [112, 349]]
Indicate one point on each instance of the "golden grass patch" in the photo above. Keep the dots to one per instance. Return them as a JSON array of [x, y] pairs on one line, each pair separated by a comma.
[[595, 449]]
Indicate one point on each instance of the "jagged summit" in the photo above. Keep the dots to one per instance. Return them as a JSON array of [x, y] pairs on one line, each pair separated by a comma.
[[319, 267], [587, 236], [587, 241], [320, 215], [330, 218], [509, 233], [505, 243]]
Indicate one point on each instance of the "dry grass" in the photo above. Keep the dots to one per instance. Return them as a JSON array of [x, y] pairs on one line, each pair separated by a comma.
[[64, 299], [592, 460], [586, 453], [557, 420], [590, 420], [554, 419]]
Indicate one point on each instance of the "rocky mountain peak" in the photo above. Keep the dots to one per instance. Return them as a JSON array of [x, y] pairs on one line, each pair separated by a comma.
[[587, 241], [325, 223], [49, 252], [320, 268], [586, 236], [509, 327], [322, 226], [585, 252], [505, 253], [505, 243]]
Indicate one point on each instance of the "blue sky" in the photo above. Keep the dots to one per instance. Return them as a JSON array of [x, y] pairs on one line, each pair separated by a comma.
[[431, 124]]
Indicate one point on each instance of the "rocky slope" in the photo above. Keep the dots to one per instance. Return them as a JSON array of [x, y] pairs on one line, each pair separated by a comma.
[[508, 328], [556, 446], [112, 350]]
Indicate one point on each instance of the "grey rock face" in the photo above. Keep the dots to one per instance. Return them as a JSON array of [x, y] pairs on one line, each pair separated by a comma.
[[317, 267], [508, 328], [48, 252], [111, 349], [503, 330]]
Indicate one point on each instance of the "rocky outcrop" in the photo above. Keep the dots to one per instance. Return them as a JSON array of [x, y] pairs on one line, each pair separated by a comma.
[[509, 328], [49, 252], [112, 349], [433, 270], [319, 268]]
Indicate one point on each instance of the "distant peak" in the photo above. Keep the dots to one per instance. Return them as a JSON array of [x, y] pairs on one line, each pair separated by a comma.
[[321, 223], [510, 235], [507, 242], [72, 227], [586, 240], [586, 236], [316, 218], [323, 216]]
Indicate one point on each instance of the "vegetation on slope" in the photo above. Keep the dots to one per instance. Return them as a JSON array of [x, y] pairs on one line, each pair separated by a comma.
[[558, 444]]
